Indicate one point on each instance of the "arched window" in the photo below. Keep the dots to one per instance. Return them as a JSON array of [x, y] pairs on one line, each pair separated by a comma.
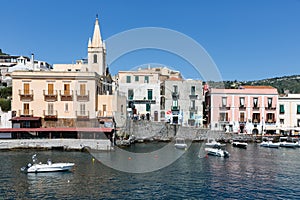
[[95, 58]]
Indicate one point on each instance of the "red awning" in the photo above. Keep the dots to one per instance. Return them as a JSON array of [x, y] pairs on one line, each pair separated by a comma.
[[25, 119], [56, 129]]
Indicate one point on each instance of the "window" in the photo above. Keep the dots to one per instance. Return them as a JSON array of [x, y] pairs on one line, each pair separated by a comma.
[[50, 109], [162, 114], [270, 117], [104, 110], [298, 109], [175, 103], [193, 104], [193, 90], [270, 102], [95, 58], [128, 79], [192, 115], [66, 107], [69, 70], [175, 89], [130, 94], [122, 109], [256, 117], [242, 102], [223, 117], [149, 94], [82, 89], [148, 107], [66, 89], [224, 101], [298, 122], [281, 121], [281, 109], [82, 109], [136, 78], [146, 79], [255, 102], [242, 117], [50, 88], [26, 88], [26, 108]]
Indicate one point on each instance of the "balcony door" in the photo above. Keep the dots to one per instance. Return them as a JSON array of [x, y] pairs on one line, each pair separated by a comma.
[[50, 89], [26, 88], [82, 89], [66, 89], [26, 108]]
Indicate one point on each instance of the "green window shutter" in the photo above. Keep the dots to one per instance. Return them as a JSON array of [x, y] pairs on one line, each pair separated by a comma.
[[149, 94], [298, 109], [147, 107], [281, 109]]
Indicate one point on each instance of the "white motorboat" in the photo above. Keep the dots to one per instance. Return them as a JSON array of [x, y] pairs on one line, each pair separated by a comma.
[[180, 143], [296, 141], [211, 142], [287, 142], [217, 152], [240, 144], [270, 144], [48, 167]]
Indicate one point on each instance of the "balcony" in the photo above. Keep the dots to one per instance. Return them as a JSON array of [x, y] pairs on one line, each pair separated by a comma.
[[50, 96], [224, 107], [242, 107], [102, 114], [193, 108], [255, 108], [270, 122], [66, 95], [175, 95], [82, 115], [193, 96], [270, 108], [26, 95], [50, 114], [25, 113], [83, 97], [175, 108]]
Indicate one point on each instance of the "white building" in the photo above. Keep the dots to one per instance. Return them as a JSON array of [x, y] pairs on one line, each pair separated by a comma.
[[289, 114]]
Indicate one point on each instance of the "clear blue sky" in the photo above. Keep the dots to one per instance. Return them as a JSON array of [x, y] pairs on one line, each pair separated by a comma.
[[248, 40]]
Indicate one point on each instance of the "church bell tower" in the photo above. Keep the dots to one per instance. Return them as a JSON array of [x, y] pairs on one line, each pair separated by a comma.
[[96, 51]]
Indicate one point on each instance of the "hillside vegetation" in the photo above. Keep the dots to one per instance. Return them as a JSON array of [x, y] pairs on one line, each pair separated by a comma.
[[285, 84]]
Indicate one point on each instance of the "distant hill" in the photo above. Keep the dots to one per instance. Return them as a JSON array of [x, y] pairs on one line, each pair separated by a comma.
[[284, 84]]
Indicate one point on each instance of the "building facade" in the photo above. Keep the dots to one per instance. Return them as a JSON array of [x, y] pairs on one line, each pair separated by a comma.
[[182, 102], [249, 109], [70, 95], [289, 114]]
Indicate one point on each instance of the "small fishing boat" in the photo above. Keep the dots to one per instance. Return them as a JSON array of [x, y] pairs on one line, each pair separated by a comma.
[[240, 144], [217, 152], [211, 142], [287, 142], [180, 143], [270, 144], [46, 167]]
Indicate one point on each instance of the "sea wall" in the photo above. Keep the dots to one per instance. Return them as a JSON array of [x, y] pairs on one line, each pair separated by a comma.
[[147, 130], [66, 144]]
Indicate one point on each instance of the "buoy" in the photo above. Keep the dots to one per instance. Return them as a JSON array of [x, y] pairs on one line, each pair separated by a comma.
[[93, 160], [129, 158]]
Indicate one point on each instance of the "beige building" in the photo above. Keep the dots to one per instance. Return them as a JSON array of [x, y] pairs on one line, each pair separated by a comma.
[[71, 95]]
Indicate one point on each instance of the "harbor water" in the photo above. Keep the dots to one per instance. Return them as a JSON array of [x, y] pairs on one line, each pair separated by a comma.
[[252, 173]]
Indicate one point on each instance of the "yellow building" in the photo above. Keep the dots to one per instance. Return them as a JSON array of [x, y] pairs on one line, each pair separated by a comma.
[[71, 95]]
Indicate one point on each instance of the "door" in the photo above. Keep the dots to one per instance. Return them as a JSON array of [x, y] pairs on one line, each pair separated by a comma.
[[26, 108], [66, 89], [82, 89], [26, 88], [155, 116]]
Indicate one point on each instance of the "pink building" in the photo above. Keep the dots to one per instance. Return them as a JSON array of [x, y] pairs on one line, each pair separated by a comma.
[[248, 109]]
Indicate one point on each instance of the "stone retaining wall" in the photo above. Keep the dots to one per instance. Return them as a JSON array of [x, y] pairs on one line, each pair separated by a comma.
[[66, 144]]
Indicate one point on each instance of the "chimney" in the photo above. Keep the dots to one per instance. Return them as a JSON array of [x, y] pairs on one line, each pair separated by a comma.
[[32, 62]]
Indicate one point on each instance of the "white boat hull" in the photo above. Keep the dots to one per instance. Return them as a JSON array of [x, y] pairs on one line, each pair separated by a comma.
[[180, 146], [240, 144], [270, 144], [54, 167], [217, 152]]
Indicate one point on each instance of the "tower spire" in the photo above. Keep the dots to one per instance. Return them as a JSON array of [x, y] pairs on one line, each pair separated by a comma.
[[97, 40]]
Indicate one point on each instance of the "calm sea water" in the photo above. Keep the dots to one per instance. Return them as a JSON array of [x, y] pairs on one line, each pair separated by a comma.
[[254, 173]]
